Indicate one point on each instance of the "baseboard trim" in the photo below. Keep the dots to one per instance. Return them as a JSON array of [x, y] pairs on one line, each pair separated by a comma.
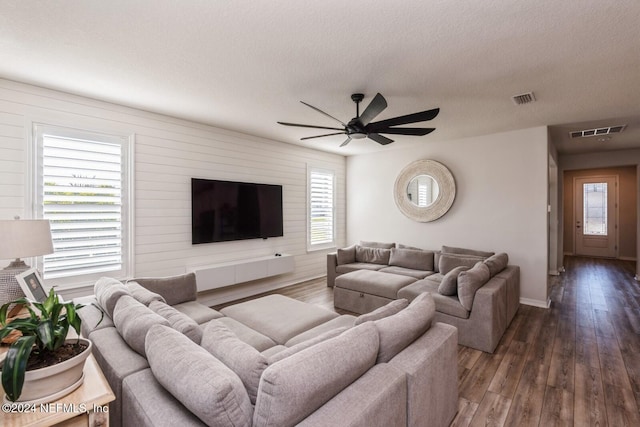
[[554, 273], [535, 302], [627, 258]]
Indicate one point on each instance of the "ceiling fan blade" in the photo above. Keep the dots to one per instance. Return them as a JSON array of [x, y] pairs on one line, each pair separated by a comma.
[[383, 140], [375, 107], [322, 112], [348, 140], [308, 126], [320, 136], [422, 116], [406, 131]]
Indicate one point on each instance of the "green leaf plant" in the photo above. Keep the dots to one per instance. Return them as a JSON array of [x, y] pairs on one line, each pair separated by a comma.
[[42, 333]]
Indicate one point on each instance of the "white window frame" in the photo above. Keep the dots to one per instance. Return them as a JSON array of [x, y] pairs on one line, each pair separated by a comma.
[[327, 244], [127, 193]]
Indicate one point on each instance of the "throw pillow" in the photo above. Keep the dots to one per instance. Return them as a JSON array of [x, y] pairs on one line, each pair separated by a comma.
[[411, 258], [178, 321], [142, 294], [401, 246], [497, 263], [237, 355], [465, 251], [203, 384], [108, 291], [450, 261], [133, 320], [398, 331], [373, 255], [390, 309], [175, 289], [470, 281], [286, 397], [346, 255], [379, 245], [449, 284]]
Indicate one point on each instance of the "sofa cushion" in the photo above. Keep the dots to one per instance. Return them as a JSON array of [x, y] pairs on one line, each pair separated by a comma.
[[401, 246], [444, 304], [198, 380], [380, 245], [345, 320], [465, 251], [372, 255], [374, 283], [174, 289], [240, 357], [398, 331], [470, 281], [133, 320], [305, 344], [285, 396], [142, 294], [450, 261], [108, 291], [385, 311], [198, 312], [348, 268], [178, 321], [271, 316], [346, 255], [403, 271], [497, 263], [411, 258], [449, 284], [253, 338]]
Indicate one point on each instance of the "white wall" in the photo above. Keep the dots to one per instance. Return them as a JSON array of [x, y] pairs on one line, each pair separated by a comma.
[[168, 152], [500, 205]]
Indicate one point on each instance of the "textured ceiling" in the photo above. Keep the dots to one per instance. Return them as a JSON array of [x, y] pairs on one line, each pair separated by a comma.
[[243, 65]]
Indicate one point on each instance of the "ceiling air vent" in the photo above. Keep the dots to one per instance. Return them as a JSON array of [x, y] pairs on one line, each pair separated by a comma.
[[595, 132], [524, 98]]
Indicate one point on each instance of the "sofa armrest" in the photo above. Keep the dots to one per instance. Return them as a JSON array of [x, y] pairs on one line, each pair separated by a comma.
[[511, 275], [332, 263], [431, 365], [385, 405], [488, 315]]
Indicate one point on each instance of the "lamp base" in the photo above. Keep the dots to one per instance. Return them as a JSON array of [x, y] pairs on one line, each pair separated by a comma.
[[9, 287]]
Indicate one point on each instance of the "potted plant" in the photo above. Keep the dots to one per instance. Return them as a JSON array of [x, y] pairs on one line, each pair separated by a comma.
[[42, 365]]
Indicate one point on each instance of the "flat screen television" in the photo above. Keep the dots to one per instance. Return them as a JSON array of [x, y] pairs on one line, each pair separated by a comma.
[[222, 211]]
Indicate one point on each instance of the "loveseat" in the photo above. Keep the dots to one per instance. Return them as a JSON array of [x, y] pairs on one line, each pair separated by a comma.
[[476, 291], [273, 361]]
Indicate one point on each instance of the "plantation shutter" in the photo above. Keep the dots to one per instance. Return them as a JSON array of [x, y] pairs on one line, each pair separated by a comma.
[[82, 196], [321, 210]]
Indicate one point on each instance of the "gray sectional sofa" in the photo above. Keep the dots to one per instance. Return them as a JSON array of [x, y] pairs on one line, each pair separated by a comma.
[[273, 361], [476, 291]]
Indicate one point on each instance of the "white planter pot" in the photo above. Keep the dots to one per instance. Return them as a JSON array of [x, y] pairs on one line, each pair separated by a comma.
[[47, 384]]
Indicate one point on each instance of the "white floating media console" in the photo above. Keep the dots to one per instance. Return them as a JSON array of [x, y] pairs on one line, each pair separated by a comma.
[[216, 276]]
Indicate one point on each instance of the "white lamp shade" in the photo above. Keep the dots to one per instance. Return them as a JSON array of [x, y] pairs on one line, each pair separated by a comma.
[[23, 238]]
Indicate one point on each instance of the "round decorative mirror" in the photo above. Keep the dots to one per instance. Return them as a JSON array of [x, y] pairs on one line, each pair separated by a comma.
[[425, 190]]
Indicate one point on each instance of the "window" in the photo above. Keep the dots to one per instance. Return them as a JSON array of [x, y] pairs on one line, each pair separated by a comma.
[[82, 187], [595, 209], [321, 230]]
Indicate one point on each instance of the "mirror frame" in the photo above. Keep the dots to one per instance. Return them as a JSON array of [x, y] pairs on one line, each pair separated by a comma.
[[443, 202]]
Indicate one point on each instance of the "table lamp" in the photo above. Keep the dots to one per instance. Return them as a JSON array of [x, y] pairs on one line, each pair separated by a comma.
[[21, 238]]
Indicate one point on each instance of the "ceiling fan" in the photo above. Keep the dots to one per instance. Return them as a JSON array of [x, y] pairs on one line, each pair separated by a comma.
[[361, 126]]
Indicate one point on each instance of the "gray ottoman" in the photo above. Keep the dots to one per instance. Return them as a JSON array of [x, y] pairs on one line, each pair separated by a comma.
[[363, 291]]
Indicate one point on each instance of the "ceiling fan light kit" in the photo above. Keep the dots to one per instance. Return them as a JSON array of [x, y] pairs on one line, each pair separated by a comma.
[[361, 127]]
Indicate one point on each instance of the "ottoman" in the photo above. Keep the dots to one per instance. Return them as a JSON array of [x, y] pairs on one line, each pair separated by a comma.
[[363, 291]]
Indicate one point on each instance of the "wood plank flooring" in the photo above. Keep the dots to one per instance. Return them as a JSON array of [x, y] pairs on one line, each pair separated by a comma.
[[574, 364]]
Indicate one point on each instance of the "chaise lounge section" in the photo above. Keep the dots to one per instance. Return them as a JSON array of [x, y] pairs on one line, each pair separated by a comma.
[[478, 292]]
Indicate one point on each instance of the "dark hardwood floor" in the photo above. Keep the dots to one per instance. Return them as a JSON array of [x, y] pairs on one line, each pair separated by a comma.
[[574, 364]]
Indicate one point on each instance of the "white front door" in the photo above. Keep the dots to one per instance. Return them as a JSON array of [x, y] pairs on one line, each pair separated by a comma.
[[596, 212]]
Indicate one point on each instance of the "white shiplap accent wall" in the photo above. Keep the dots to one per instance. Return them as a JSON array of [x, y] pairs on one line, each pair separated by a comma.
[[168, 153]]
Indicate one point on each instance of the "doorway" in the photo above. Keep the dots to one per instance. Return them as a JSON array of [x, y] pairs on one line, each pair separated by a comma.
[[595, 216]]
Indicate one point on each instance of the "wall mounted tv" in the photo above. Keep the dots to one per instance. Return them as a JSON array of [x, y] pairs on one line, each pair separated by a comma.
[[222, 211]]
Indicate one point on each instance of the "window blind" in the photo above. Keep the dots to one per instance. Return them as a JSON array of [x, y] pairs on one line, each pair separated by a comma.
[[82, 185], [321, 210]]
